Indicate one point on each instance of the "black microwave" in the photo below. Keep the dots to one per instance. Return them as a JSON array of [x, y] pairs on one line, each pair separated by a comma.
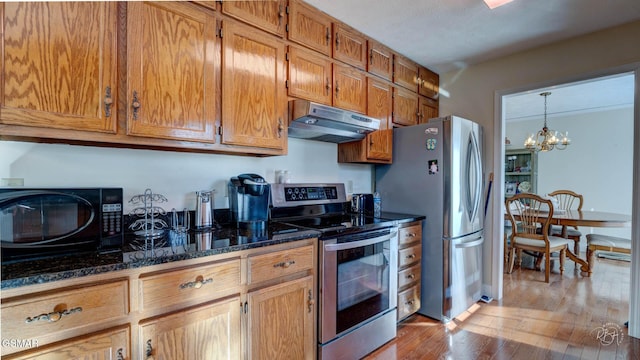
[[37, 223]]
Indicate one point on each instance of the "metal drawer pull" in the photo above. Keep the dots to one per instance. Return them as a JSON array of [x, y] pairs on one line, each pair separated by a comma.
[[196, 284], [411, 276], [53, 316], [311, 301], [120, 355], [410, 302], [284, 264], [411, 235], [149, 351], [411, 256]]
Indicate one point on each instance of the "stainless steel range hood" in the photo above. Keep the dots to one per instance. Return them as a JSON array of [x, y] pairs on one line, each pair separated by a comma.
[[319, 122]]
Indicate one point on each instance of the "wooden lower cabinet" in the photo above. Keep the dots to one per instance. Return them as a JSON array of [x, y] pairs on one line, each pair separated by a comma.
[[409, 268], [250, 304], [281, 321], [209, 331], [110, 344]]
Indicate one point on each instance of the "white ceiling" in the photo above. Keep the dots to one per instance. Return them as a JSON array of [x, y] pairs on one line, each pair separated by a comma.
[[447, 35]]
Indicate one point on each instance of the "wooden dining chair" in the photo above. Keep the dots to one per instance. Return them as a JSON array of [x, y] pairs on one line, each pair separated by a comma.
[[533, 212], [568, 200]]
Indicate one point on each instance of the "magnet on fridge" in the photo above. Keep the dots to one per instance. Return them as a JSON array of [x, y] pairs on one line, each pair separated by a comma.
[[431, 144], [433, 167]]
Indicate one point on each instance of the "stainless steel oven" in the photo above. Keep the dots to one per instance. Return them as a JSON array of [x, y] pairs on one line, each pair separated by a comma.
[[358, 289], [357, 267]]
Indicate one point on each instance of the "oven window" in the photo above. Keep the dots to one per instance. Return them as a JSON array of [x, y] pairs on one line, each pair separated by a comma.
[[38, 219], [363, 284]]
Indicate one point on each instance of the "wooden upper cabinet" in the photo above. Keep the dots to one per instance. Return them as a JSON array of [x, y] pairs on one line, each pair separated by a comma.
[[428, 109], [268, 15], [405, 73], [380, 106], [309, 27], [349, 46], [405, 107], [380, 62], [59, 65], [254, 95], [171, 87], [429, 83], [309, 76], [349, 88]]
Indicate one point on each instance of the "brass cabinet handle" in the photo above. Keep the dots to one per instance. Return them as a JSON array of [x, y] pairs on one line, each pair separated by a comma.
[[337, 41], [411, 256], [135, 104], [337, 88], [149, 351], [311, 302], [410, 302], [196, 284], [53, 316], [371, 56], [108, 101], [120, 355], [328, 86], [411, 276], [280, 127], [327, 36], [412, 235], [284, 264]]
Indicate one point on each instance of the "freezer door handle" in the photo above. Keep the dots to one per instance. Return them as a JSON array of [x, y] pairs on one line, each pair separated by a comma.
[[470, 244]]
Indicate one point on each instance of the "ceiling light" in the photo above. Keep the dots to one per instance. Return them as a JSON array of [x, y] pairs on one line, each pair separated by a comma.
[[547, 139], [492, 4]]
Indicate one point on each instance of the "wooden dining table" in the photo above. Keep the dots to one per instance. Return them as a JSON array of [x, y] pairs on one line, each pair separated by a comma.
[[585, 218]]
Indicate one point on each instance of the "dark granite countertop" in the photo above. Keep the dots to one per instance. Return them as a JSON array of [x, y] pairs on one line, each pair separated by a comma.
[[133, 255]]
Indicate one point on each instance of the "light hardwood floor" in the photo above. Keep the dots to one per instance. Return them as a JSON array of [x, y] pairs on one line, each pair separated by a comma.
[[534, 320]]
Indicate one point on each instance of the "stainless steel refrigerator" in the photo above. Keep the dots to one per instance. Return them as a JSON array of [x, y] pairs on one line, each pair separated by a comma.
[[437, 172]]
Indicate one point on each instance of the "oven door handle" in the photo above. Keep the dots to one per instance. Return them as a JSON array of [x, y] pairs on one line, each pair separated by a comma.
[[355, 244]]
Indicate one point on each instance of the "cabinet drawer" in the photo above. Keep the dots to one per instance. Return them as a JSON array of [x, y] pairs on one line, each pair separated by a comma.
[[408, 302], [409, 255], [280, 263], [409, 276], [189, 285], [409, 234], [46, 316]]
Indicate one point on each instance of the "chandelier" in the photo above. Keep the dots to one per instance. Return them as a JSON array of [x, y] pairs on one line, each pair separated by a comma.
[[547, 139]]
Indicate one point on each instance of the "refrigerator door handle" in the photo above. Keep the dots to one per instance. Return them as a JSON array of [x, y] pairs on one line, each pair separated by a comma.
[[474, 177], [470, 244]]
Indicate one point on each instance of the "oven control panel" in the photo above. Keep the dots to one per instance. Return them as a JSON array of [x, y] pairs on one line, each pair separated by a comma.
[[303, 193]]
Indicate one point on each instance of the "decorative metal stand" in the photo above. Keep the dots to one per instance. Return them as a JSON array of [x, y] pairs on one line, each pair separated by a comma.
[[149, 228]]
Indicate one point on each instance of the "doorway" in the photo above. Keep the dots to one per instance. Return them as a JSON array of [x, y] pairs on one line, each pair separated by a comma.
[[632, 197]]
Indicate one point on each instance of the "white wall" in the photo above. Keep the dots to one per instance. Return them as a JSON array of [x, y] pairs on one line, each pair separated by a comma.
[[473, 92], [596, 155], [176, 175]]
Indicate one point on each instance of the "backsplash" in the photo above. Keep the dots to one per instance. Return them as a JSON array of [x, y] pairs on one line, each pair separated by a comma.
[[176, 175]]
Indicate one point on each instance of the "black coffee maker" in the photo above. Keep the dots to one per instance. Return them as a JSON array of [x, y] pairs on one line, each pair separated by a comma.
[[249, 196]]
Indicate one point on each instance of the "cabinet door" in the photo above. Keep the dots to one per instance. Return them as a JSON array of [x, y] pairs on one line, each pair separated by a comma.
[[405, 73], [349, 88], [405, 107], [281, 321], [379, 105], [428, 83], [349, 46], [170, 70], [309, 27], [380, 60], [112, 344], [59, 65], [254, 101], [309, 76], [428, 109], [211, 331], [268, 15]]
